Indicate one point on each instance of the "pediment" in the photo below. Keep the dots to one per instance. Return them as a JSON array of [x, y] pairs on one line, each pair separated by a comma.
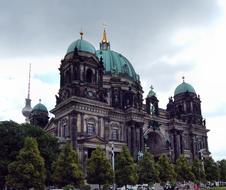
[[95, 139]]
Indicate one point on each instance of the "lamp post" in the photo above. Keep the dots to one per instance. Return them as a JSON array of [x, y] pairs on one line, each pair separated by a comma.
[[201, 154], [113, 164]]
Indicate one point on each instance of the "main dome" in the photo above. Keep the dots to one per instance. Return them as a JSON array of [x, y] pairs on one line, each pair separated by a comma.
[[81, 45], [184, 87], [116, 63]]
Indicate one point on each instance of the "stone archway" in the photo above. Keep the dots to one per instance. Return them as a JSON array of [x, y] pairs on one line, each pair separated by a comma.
[[155, 143]]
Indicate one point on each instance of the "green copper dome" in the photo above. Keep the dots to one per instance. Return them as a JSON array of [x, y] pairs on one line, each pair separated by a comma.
[[81, 45], [184, 87], [115, 63], [151, 92], [40, 107]]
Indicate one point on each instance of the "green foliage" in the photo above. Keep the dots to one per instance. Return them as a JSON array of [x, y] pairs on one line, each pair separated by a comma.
[[99, 170], [125, 169], [10, 144], [66, 169], [197, 170], [222, 169], [28, 169], [106, 187], [211, 169], [12, 136], [183, 169], [147, 170], [69, 187], [85, 187], [166, 169]]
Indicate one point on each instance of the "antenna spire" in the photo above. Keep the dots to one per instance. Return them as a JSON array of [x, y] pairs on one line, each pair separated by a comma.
[[27, 109], [29, 82]]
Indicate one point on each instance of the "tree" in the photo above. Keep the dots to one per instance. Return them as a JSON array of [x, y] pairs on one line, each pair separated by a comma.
[[125, 169], [211, 169], [12, 137], [66, 169], [47, 144], [147, 170], [197, 170], [222, 169], [10, 144], [28, 169], [183, 169], [99, 170], [166, 169]]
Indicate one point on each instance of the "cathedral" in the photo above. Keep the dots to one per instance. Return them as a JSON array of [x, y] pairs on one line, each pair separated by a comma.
[[100, 103]]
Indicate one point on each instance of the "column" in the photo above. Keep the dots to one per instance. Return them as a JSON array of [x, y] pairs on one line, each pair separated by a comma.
[[134, 142], [141, 139], [73, 126], [129, 137]]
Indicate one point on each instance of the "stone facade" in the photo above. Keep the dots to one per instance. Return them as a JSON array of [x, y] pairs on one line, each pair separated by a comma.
[[96, 108]]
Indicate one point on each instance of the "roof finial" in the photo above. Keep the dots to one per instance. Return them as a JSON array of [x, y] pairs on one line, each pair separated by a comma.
[[81, 33], [183, 78], [104, 38], [40, 100], [152, 88]]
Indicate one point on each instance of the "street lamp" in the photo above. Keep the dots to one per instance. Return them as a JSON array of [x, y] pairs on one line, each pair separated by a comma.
[[113, 164], [201, 154]]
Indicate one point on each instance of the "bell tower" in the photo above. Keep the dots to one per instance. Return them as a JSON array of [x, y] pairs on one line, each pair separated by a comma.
[[81, 72]]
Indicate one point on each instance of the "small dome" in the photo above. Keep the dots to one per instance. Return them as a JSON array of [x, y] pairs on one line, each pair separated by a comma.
[[115, 63], [184, 87], [40, 107], [151, 92], [81, 45]]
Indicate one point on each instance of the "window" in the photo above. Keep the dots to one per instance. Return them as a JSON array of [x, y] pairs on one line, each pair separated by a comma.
[[90, 127], [115, 134], [89, 75], [64, 129]]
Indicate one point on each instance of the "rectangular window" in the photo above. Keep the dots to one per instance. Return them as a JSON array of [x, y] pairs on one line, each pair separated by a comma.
[[115, 134], [90, 129]]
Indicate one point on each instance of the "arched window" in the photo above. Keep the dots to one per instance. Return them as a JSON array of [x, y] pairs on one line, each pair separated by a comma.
[[68, 76], [89, 75], [75, 73]]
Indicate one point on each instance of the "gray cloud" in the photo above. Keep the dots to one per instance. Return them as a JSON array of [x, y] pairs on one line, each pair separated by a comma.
[[40, 28]]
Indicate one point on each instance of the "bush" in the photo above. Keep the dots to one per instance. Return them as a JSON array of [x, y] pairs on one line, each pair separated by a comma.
[[106, 186], [69, 187], [85, 187]]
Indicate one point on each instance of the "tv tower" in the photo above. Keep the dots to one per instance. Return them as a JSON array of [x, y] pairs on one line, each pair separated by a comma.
[[27, 109]]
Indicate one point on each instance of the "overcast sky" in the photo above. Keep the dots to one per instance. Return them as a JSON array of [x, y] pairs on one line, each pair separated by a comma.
[[163, 39]]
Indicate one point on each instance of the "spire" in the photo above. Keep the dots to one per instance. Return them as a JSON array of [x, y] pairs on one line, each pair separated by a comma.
[[104, 38], [27, 109], [104, 44], [29, 82], [183, 78]]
